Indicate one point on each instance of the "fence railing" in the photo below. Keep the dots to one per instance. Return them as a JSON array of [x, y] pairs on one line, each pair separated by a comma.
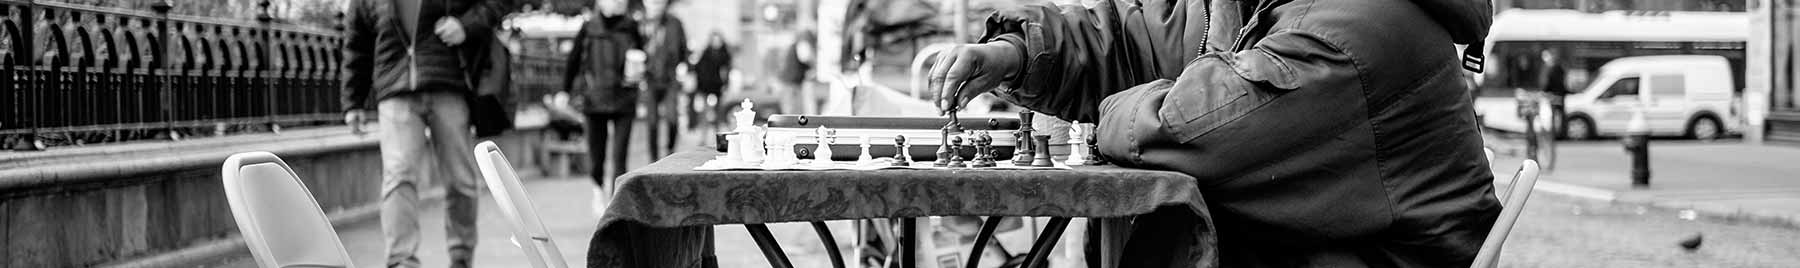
[[82, 74]]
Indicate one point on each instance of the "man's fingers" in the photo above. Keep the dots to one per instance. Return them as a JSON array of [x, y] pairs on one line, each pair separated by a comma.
[[961, 70], [934, 81]]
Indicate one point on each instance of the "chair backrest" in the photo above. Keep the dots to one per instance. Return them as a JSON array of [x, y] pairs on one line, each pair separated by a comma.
[[1513, 204], [279, 219], [528, 232]]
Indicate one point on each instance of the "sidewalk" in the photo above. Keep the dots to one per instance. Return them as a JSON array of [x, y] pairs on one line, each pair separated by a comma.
[[1724, 179]]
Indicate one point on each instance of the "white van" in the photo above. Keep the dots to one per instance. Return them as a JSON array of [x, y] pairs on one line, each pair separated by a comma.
[[1682, 95]]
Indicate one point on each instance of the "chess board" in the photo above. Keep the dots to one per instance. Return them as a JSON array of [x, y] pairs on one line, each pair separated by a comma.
[[720, 164]]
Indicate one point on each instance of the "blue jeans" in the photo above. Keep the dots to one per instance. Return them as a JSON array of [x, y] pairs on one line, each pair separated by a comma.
[[417, 128]]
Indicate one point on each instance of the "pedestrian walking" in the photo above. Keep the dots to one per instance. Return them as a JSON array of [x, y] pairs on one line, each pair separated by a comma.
[[1554, 80], [596, 74], [712, 72], [403, 58], [665, 49]]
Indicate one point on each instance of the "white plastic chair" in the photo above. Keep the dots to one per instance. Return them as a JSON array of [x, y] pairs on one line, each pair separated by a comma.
[[1513, 203], [528, 232], [280, 221]]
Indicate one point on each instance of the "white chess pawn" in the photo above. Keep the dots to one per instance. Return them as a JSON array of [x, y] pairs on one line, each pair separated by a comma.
[[1078, 150], [822, 154], [865, 159]]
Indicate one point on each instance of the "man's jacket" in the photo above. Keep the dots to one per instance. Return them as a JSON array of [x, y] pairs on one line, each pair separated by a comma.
[[1323, 133], [386, 54], [665, 47], [596, 66]]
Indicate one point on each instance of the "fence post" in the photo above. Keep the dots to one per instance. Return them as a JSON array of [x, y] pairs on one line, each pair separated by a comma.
[[264, 71], [162, 67], [32, 96]]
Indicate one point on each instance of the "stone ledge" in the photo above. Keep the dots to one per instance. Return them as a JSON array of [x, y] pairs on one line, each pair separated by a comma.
[[30, 170]]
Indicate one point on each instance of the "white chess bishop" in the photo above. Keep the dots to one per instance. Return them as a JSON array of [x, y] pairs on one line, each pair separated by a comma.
[[1078, 149]]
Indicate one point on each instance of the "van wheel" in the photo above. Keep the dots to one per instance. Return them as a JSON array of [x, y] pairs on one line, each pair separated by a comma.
[[1578, 128], [1705, 128]]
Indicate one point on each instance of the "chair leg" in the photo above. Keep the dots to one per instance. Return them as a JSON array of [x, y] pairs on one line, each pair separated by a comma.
[[1046, 241], [837, 257], [981, 240], [770, 249], [909, 242]]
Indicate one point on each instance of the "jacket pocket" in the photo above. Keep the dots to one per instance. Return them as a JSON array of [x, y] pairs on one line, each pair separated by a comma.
[[1209, 95]]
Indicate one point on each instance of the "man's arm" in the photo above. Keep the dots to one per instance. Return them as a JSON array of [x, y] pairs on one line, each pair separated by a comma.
[[483, 16], [358, 68], [1231, 111], [1075, 56], [572, 64]]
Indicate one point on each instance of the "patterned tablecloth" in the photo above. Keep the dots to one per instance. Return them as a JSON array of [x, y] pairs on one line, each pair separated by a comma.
[[660, 215]]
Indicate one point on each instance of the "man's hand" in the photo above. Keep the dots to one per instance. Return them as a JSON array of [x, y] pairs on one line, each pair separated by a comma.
[[969, 70], [355, 118], [451, 31]]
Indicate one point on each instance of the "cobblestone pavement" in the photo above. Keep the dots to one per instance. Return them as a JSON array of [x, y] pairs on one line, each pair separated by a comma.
[[1564, 232]]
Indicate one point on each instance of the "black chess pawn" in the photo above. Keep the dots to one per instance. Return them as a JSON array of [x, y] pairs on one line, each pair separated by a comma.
[[956, 149], [1093, 156], [1042, 158], [901, 158], [984, 150]]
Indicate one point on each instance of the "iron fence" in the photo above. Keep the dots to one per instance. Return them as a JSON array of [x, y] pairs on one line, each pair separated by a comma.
[[82, 74]]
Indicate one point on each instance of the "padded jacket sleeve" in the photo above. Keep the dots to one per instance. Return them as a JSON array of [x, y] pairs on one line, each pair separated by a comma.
[[1231, 111], [358, 69], [1075, 56]]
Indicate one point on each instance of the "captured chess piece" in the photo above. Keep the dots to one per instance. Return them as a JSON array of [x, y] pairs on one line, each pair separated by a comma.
[[822, 153], [901, 157], [1042, 157], [864, 158], [780, 152], [1022, 147], [956, 148]]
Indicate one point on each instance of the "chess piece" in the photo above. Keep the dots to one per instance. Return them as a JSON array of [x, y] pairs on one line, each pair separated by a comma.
[[956, 148], [901, 157], [1042, 159], [1078, 150], [1022, 147], [780, 152], [822, 152], [752, 151], [740, 142], [943, 151], [1093, 145], [864, 158], [984, 150]]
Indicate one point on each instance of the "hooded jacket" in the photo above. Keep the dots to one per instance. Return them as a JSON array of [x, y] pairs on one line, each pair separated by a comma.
[[596, 66], [385, 54], [1323, 133]]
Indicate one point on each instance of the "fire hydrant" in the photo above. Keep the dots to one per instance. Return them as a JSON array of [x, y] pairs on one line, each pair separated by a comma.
[[1637, 144]]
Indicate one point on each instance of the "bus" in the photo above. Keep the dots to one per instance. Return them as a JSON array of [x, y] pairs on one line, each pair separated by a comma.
[[1587, 41]]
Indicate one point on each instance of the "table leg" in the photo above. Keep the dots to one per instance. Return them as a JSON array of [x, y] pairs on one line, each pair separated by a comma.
[[1040, 250], [837, 257], [770, 249], [981, 240], [908, 242]]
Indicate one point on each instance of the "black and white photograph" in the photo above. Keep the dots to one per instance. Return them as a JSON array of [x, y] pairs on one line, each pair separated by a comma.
[[899, 133]]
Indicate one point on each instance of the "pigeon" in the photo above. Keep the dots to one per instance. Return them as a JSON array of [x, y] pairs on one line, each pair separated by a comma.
[[1692, 243]]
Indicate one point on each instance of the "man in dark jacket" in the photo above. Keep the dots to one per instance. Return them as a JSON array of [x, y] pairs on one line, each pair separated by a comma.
[[1323, 133], [403, 57], [664, 49], [596, 74]]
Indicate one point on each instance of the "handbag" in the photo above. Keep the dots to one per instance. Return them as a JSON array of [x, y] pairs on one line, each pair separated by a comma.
[[490, 79]]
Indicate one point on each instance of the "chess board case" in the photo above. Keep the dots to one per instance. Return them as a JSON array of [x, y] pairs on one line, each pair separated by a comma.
[[923, 133]]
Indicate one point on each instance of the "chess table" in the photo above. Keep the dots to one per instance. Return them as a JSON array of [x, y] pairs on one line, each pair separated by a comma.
[[661, 214]]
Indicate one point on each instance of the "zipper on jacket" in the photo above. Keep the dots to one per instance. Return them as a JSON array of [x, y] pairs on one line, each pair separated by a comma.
[[412, 67]]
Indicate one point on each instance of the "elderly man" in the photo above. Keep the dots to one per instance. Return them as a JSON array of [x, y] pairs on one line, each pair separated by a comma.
[[1323, 133]]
